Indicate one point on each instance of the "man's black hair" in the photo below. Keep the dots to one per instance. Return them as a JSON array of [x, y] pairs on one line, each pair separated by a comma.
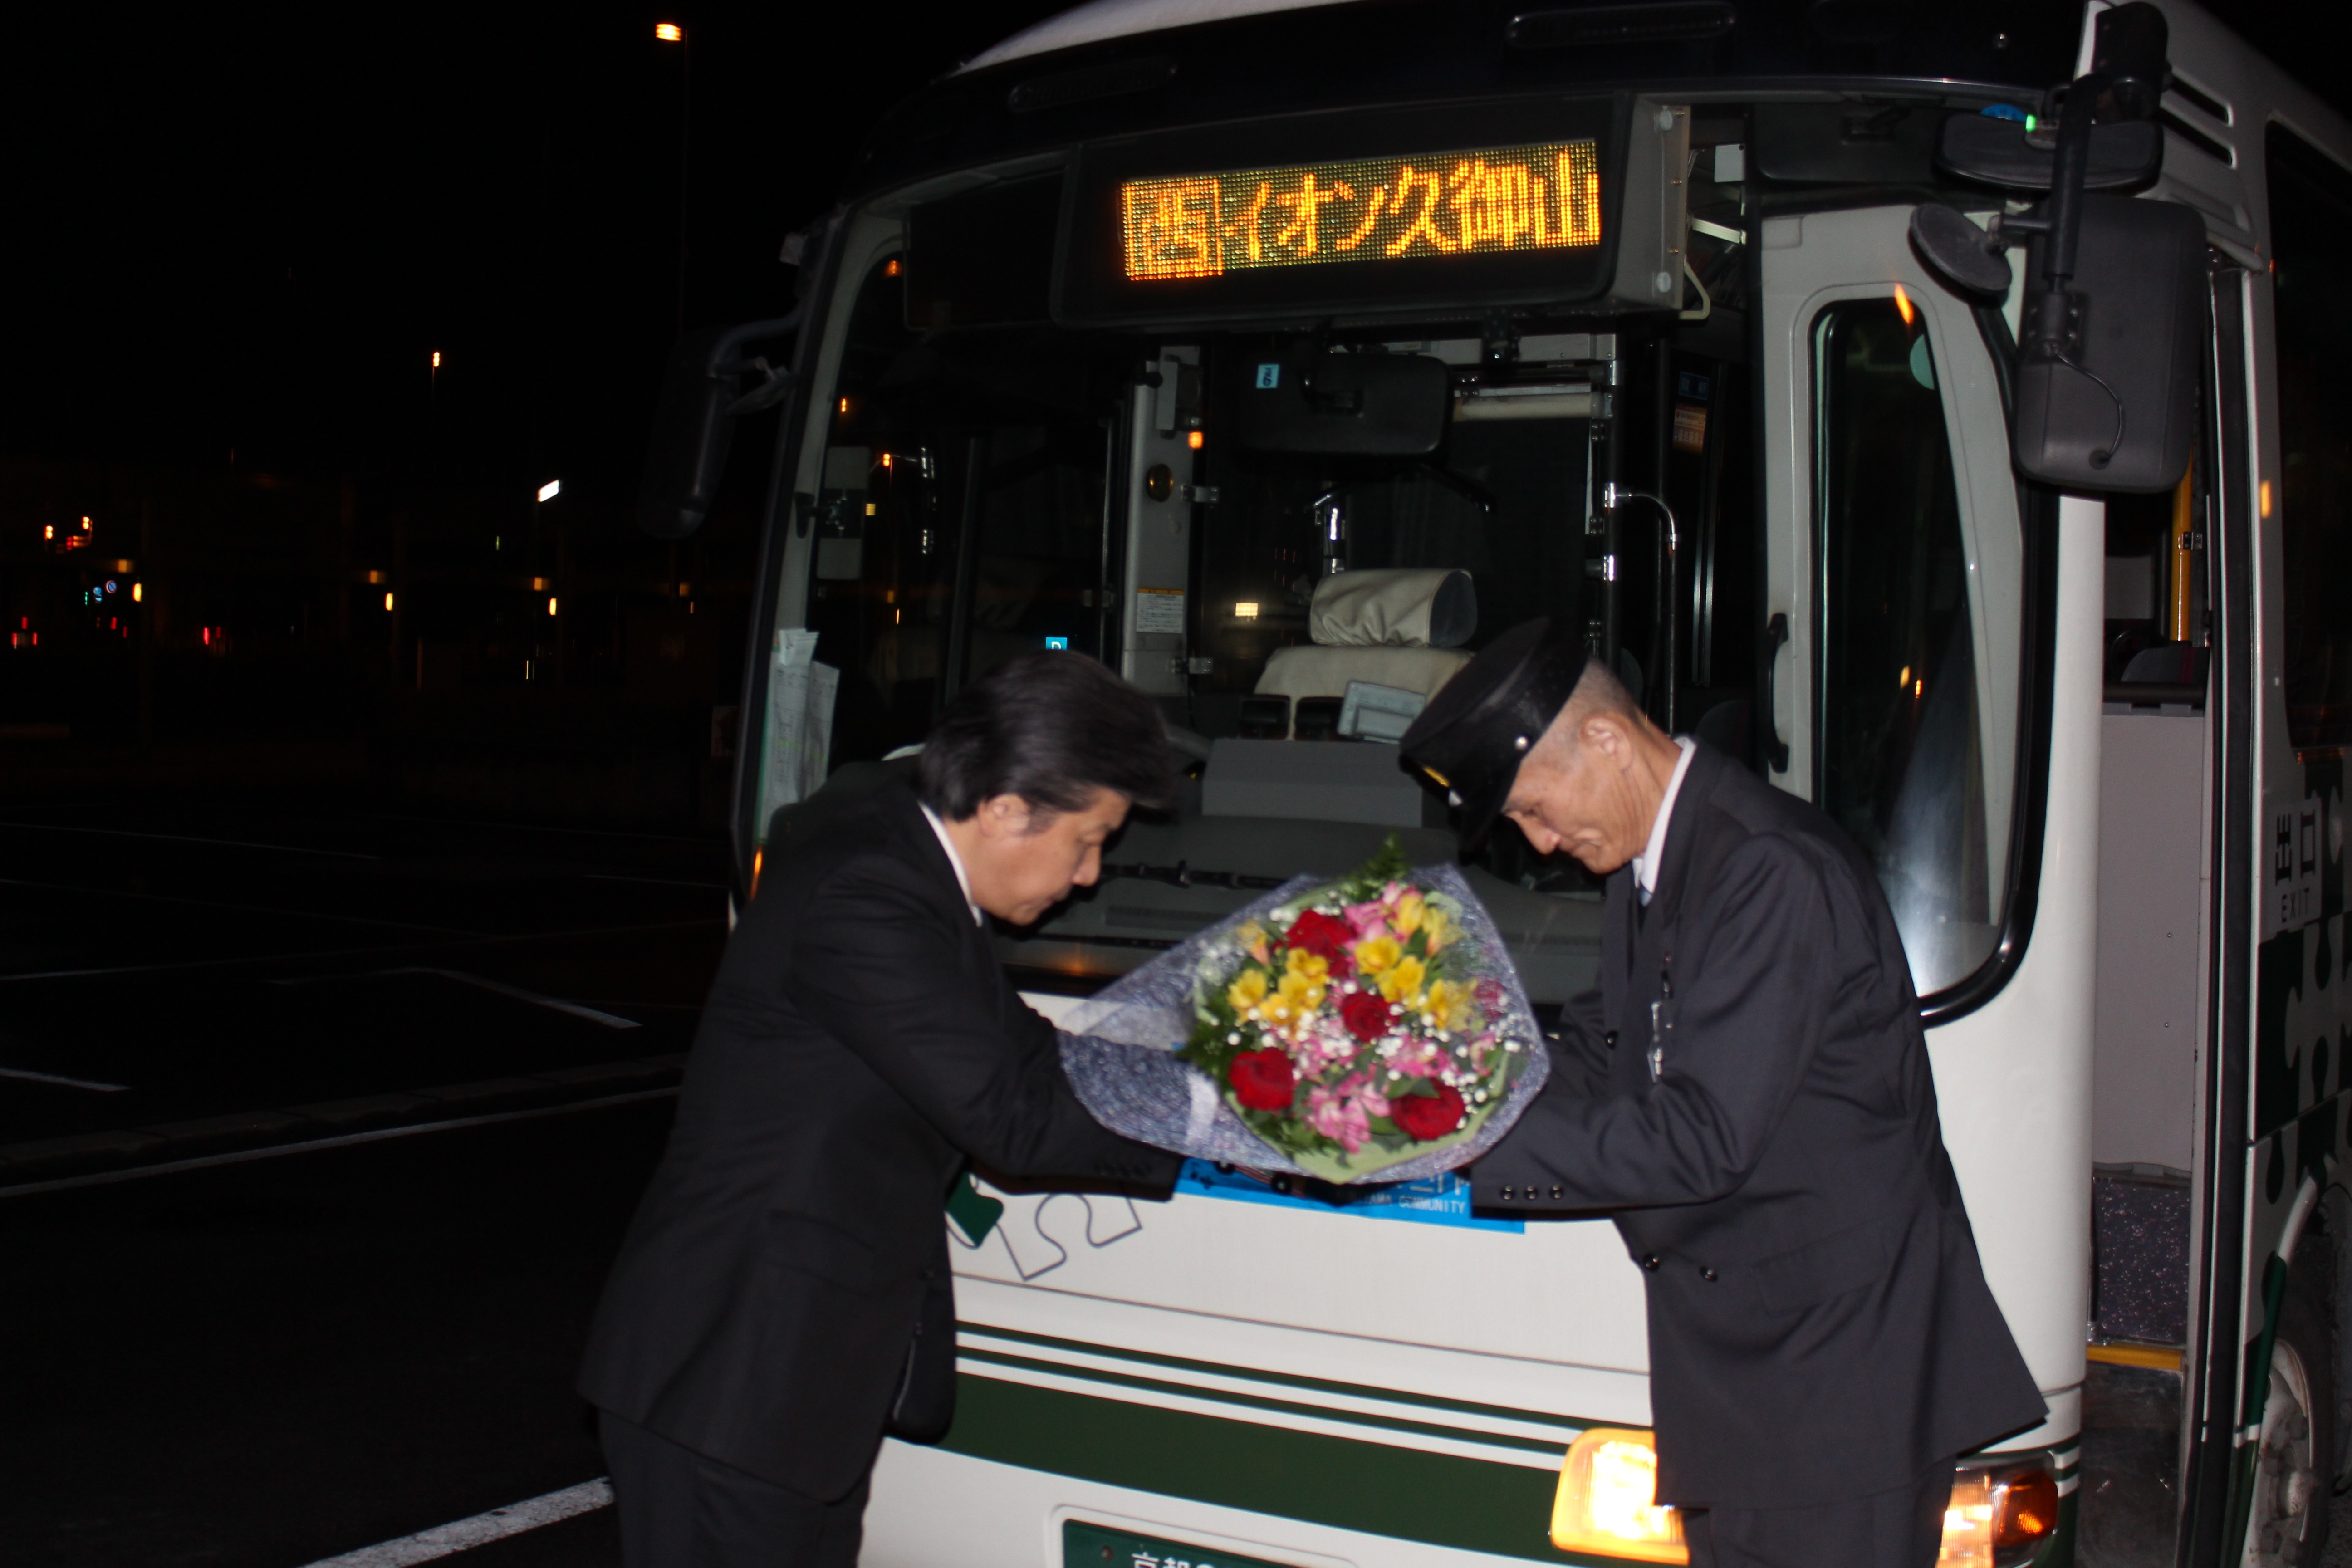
[[1051, 728]]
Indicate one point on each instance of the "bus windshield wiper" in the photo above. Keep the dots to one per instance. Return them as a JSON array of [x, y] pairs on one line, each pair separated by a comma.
[[1181, 875]]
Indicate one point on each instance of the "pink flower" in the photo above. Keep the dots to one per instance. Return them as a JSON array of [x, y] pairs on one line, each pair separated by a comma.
[[1370, 920], [1338, 1116], [1343, 1111]]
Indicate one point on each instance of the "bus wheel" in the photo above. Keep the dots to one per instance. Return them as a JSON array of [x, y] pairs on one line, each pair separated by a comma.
[[2286, 1527]]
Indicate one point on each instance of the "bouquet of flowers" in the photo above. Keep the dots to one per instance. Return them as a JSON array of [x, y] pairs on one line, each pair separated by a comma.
[[1342, 1030]]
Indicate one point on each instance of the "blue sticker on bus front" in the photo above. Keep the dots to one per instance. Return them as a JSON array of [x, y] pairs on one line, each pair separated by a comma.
[[1059, 645], [1432, 1200], [1268, 376]]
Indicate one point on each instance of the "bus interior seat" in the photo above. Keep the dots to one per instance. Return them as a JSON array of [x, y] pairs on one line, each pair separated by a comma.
[[2167, 664], [1401, 628]]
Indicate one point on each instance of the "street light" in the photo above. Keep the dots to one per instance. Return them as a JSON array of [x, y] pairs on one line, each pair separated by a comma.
[[551, 490], [671, 33]]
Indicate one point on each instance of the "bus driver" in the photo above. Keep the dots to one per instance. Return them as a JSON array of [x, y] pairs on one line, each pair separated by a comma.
[[1749, 1094]]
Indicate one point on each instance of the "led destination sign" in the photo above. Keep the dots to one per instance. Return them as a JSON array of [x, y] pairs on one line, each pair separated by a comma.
[[1473, 203]]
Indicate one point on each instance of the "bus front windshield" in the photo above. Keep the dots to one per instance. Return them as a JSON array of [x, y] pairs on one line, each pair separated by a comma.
[[986, 491]]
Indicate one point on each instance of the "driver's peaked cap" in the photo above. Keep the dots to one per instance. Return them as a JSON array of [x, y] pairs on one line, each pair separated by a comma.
[[1468, 742]]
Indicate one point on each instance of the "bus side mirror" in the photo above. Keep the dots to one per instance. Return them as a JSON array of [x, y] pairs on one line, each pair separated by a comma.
[[694, 422], [2105, 389], [2106, 375]]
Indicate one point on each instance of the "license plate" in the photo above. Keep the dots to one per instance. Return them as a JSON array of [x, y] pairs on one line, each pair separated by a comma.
[[1088, 1545]]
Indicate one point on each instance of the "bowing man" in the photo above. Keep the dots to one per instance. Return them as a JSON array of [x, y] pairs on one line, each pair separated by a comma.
[[782, 1298], [1749, 1094]]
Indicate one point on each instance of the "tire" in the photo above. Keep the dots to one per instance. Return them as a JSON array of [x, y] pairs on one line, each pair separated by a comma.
[[2287, 1521]]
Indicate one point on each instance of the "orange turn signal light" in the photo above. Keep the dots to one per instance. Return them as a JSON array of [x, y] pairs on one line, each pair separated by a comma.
[[1997, 1513], [1607, 1501]]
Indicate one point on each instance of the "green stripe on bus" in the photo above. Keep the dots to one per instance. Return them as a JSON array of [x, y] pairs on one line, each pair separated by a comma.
[[1278, 1406], [1361, 1390], [1438, 1498]]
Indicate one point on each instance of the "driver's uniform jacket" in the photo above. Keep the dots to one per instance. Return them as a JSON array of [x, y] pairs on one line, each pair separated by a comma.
[[784, 1294], [1749, 1094]]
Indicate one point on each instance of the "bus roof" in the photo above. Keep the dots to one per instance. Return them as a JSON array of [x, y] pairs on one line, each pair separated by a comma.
[[1116, 69], [1104, 19]]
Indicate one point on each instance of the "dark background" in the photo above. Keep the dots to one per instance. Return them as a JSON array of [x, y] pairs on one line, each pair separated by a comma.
[[232, 241]]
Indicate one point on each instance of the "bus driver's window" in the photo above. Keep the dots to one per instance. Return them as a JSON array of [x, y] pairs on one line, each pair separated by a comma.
[[1917, 699], [961, 516]]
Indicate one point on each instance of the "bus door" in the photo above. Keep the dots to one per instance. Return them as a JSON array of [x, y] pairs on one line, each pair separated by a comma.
[[1907, 581]]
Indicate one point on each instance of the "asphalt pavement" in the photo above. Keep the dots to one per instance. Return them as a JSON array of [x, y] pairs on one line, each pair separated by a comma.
[[318, 1129]]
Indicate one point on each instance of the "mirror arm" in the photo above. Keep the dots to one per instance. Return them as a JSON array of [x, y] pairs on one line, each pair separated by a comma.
[[2064, 208], [725, 354]]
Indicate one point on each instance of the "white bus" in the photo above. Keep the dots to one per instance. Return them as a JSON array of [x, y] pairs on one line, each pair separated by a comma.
[[1139, 332]]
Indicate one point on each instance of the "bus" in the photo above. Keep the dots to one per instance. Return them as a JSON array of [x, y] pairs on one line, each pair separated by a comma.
[[1927, 405]]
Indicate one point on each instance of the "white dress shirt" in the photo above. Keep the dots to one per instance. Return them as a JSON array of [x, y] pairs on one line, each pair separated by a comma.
[[963, 878], [1645, 864]]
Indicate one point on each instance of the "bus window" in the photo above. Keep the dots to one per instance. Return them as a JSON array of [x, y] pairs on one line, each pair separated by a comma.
[[962, 516], [2311, 211], [1914, 728], [1503, 500]]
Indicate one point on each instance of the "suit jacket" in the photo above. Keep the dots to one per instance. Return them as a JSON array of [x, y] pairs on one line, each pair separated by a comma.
[[1750, 1092], [785, 1287]]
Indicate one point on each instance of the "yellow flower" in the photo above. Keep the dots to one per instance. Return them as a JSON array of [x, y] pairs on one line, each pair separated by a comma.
[[1313, 965], [1377, 954], [1437, 931], [1448, 1002], [1295, 998], [1246, 991], [1252, 937], [1406, 916], [1302, 993], [1400, 981]]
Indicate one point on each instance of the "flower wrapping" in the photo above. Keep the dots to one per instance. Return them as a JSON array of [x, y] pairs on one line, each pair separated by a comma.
[[1371, 1028]]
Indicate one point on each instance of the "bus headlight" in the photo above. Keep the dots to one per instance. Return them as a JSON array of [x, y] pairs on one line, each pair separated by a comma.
[[1998, 1517], [1607, 1501]]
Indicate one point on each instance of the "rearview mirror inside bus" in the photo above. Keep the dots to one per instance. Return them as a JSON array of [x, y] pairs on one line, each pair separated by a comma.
[[1377, 405]]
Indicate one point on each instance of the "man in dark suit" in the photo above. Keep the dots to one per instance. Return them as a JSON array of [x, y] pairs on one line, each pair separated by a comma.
[[1748, 1093], [784, 1296]]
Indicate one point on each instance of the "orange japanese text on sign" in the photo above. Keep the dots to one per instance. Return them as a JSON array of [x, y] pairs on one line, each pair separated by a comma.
[[1458, 204]]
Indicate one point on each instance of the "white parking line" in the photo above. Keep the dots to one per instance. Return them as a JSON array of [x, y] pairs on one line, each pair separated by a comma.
[[241, 909], [443, 1540], [186, 839], [30, 1076], [340, 1141], [234, 959], [610, 1021]]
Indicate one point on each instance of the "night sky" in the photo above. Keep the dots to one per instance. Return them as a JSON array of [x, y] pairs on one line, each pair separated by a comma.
[[236, 236]]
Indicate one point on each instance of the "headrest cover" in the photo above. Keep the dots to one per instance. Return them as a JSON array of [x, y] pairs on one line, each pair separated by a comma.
[[1433, 609], [1468, 742]]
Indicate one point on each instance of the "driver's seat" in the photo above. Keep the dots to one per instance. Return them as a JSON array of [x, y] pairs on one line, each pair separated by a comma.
[[1398, 629]]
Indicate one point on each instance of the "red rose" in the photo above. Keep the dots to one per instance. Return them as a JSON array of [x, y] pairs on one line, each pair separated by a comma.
[[1424, 1117], [1325, 936], [1263, 1081], [1366, 1015]]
